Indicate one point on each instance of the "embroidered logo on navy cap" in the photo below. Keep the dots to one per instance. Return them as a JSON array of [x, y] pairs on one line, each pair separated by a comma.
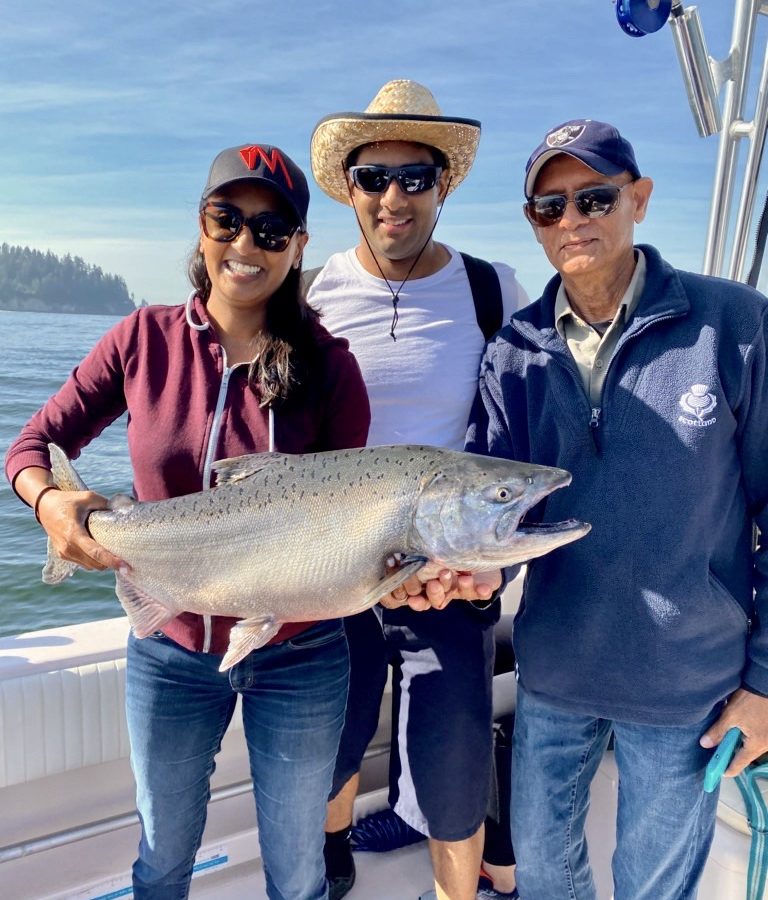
[[565, 135]]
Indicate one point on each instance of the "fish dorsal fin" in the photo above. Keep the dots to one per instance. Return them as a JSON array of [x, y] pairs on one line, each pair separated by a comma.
[[145, 614], [247, 635], [121, 502], [64, 475], [410, 566], [239, 467]]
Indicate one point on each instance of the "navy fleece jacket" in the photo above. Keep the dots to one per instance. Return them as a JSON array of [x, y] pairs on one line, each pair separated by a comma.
[[662, 610]]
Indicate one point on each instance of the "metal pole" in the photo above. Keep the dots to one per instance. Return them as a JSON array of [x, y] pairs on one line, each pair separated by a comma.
[[751, 174], [745, 15], [697, 71], [105, 826]]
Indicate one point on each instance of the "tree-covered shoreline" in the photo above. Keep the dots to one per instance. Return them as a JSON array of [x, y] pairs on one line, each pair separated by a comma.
[[37, 281]]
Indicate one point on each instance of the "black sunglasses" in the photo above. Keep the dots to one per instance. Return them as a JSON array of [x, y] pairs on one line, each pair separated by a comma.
[[593, 202], [223, 222], [413, 179]]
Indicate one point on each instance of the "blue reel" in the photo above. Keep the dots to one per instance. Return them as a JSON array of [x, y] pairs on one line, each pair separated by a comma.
[[640, 17]]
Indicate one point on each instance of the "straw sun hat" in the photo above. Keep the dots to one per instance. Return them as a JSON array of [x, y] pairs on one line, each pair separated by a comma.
[[401, 111]]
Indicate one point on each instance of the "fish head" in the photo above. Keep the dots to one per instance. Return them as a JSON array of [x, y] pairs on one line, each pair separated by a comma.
[[470, 512]]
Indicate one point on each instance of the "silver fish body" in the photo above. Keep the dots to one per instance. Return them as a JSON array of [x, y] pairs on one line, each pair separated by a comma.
[[295, 538]]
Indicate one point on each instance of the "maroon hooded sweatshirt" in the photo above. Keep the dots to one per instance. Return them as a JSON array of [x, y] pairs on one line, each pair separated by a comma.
[[187, 409]]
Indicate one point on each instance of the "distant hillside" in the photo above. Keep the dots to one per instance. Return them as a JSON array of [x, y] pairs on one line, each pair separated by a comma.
[[42, 282]]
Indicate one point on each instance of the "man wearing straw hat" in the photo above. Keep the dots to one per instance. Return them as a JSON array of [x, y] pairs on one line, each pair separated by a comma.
[[416, 314]]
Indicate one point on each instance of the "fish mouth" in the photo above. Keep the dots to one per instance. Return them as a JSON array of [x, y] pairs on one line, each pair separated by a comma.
[[527, 540], [548, 527], [573, 528]]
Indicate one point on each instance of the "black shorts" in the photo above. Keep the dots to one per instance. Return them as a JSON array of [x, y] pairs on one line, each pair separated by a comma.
[[440, 764]]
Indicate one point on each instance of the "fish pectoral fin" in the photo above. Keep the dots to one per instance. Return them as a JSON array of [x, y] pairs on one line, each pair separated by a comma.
[[247, 635], [410, 566], [145, 614], [236, 468]]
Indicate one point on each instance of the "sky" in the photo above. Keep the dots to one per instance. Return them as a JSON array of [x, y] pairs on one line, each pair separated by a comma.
[[112, 113]]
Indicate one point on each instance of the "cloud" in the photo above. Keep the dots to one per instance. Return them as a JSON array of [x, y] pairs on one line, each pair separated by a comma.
[[114, 112]]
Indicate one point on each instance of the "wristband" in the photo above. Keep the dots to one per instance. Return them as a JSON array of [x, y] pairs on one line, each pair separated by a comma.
[[51, 487]]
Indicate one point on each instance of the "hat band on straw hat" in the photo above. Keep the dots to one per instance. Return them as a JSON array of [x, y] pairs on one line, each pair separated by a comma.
[[401, 111]]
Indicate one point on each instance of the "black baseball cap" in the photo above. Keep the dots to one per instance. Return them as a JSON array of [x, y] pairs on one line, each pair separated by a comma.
[[596, 144], [262, 164]]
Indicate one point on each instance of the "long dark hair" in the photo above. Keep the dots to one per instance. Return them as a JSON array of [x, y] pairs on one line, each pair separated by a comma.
[[284, 349]]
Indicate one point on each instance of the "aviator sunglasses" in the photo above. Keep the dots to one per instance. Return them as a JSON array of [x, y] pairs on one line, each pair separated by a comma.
[[223, 222], [413, 179], [593, 202]]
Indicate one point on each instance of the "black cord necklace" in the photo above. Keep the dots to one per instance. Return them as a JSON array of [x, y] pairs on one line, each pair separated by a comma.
[[396, 293]]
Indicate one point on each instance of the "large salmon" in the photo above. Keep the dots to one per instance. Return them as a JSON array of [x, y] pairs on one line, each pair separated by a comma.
[[298, 538]]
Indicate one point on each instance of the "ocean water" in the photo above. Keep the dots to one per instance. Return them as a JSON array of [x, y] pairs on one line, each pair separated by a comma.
[[37, 353]]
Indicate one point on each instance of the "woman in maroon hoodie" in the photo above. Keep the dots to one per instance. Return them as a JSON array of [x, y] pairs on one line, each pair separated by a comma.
[[244, 366]]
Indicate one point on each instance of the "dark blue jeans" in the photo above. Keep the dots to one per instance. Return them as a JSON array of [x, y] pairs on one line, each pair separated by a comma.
[[179, 705], [665, 820]]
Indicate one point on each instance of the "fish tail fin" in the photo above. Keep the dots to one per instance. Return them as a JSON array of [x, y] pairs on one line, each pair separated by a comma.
[[65, 478], [145, 614], [247, 635], [57, 569]]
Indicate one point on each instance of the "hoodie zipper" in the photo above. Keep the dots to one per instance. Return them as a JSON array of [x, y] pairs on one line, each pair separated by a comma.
[[213, 440]]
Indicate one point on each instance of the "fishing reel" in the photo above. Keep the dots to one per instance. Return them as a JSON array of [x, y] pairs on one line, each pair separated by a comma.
[[640, 17]]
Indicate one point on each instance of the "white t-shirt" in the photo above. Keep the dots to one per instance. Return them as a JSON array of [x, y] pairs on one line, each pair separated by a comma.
[[422, 385]]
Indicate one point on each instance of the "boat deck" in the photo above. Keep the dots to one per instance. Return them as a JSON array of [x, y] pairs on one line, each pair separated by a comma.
[[69, 830], [402, 874], [398, 875]]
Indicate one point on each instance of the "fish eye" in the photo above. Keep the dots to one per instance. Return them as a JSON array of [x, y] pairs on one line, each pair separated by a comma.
[[504, 494]]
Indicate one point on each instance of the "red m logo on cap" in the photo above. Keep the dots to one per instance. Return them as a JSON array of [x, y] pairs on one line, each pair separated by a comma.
[[252, 155]]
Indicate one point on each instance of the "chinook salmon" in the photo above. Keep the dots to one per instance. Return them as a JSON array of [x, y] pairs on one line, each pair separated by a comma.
[[298, 538]]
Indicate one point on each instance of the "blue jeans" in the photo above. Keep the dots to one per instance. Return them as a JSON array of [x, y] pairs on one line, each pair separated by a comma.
[[179, 705], [665, 820]]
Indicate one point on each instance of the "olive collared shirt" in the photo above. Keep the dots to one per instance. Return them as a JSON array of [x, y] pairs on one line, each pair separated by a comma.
[[592, 346]]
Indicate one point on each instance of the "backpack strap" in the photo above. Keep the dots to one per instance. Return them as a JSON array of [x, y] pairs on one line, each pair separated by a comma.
[[308, 276], [486, 294]]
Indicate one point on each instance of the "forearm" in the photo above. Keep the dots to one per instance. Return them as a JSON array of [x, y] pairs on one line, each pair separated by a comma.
[[30, 482]]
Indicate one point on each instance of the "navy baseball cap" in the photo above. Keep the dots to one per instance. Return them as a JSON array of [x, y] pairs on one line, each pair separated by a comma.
[[596, 144], [261, 164]]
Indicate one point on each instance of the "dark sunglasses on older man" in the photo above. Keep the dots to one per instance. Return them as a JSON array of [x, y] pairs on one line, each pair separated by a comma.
[[223, 222], [593, 202], [413, 179]]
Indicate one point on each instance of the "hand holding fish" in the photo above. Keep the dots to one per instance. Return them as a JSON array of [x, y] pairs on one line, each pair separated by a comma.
[[434, 586], [63, 515], [746, 711]]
